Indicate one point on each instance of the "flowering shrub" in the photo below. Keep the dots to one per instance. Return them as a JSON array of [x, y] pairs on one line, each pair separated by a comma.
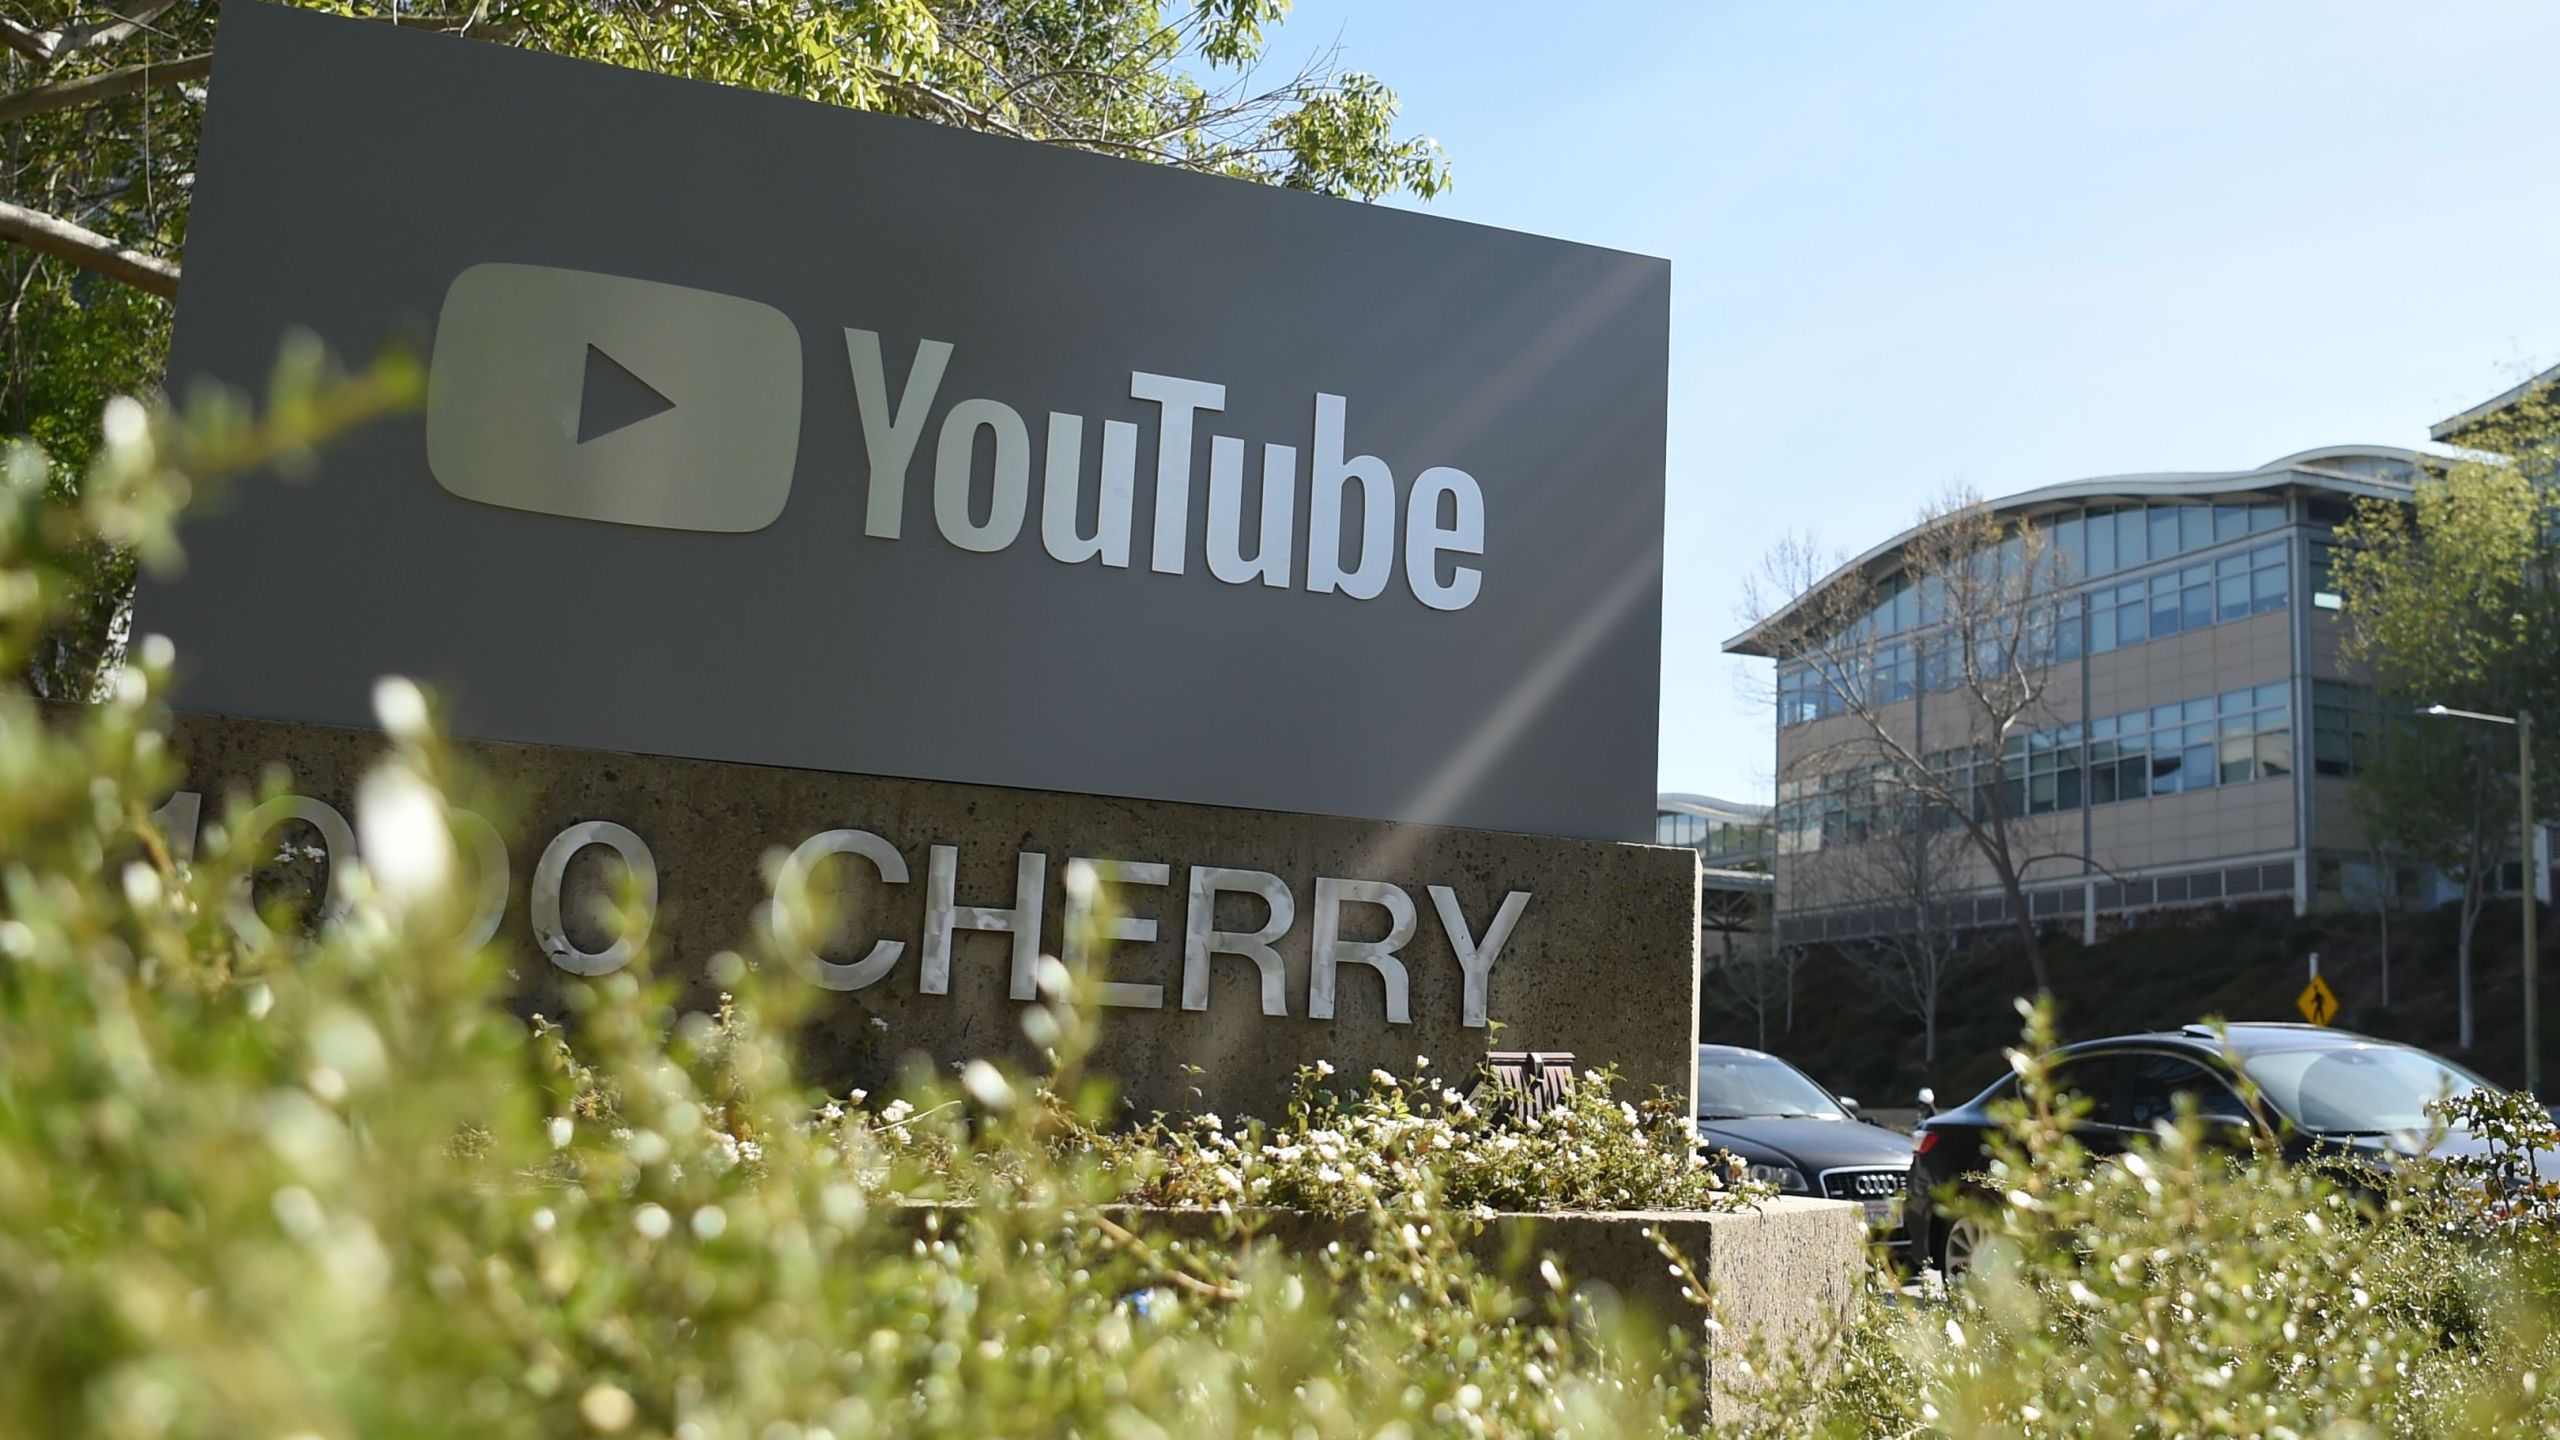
[[1381, 1139], [327, 1185], [2178, 1289], [2508, 1180]]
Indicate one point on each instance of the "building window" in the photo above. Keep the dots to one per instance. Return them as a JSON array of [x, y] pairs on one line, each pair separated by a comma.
[[2234, 587], [2325, 594], [2346, 727], [2228, 739], [2091, 542], [1804, 696]]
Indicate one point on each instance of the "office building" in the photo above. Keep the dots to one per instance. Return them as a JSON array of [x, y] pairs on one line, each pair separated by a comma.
[[2197, 730]]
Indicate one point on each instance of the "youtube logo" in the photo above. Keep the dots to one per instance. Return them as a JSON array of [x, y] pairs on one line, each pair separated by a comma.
[[602, 397]]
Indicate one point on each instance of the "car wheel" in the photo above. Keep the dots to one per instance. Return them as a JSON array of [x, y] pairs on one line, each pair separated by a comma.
[[1957, 1246]]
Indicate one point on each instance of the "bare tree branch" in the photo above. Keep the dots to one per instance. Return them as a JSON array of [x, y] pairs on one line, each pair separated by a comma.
[[1987, 594], [105, 85], [129, 22], [47, 235], [25, 41]]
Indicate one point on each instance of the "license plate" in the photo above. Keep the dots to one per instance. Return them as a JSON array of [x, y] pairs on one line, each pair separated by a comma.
[[1886, 1213]]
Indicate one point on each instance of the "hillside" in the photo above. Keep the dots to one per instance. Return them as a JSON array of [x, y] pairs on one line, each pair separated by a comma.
[[2244, 964]]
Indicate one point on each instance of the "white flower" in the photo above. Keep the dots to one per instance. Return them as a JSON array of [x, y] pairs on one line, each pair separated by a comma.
[[141, 886], [1383, 1078], [607, 1407], [401, 831], [880, 1023], [400, 707], [987, 1085], [1324, 1068]]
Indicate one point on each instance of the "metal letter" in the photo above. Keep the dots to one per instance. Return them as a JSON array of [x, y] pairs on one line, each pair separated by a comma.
[[337, 844], [1180, 399], [889, 440], [474, 836], [1062, 489], [789, 897], [1022, 921], [1085, 879], [550, 936], [1332, 951], [178, 821], [1200, 939], [956, 457], [1476, 957], [1226, 521], [1367, 579], [1426, 539]]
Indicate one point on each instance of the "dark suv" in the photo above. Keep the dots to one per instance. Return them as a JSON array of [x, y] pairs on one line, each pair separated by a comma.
[[2318, 1091]]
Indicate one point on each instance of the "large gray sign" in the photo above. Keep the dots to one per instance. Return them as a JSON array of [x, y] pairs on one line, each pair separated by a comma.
[[766, 431]]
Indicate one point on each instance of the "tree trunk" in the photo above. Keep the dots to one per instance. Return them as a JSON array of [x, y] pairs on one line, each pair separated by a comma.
[[2471, 890], [2384, 910], [1929, 1028], [2025, 924]]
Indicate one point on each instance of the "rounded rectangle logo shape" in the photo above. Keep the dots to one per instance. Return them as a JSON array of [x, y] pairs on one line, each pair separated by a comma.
[[602, 397]]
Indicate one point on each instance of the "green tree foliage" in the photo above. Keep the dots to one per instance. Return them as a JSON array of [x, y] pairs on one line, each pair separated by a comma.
[[2454, 599], [100, 107]]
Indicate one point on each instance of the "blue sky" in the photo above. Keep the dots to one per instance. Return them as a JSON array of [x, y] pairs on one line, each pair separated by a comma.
[[1998, 244]]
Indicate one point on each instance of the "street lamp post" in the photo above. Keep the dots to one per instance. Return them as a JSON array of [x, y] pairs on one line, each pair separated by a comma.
[[2523, 721]]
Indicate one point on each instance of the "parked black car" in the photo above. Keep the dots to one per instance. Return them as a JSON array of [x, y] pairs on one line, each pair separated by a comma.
[[1799, 1137], [2319, 1091]]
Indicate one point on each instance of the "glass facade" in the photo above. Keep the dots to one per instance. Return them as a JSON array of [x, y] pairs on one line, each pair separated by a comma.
[[2346, 726], [1715, 837], [2193, 597], [2093, 542], [2255, 581], [2233, 738]]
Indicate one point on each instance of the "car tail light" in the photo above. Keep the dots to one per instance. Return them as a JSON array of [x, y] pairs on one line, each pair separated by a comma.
[[1928, 1138]]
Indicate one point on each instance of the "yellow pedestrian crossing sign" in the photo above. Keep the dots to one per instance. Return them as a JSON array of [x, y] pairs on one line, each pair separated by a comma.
[[2317, 1002]]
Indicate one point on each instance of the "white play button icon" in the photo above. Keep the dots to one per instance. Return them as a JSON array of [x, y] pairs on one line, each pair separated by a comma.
[[613, 398], [607, 398]]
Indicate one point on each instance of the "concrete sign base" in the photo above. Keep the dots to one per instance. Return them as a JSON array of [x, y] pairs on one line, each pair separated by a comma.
[[1247, 944]]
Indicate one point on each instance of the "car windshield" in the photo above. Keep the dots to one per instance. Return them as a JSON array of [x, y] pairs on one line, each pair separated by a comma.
[[2347, 1089], [1735, 1085]]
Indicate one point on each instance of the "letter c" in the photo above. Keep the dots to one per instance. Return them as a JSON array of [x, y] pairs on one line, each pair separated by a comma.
[[790, 886]]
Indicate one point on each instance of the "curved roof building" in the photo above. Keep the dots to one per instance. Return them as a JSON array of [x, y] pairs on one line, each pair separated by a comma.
[[2197, 728]]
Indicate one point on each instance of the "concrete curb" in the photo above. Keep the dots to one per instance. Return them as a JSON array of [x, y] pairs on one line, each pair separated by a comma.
[[1782, 1275]]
